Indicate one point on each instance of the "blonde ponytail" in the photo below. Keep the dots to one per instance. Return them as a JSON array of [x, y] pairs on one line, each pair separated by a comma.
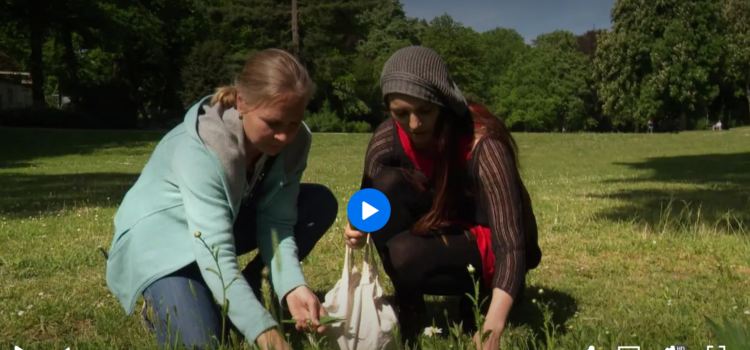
[[226, 96], [268, 76]]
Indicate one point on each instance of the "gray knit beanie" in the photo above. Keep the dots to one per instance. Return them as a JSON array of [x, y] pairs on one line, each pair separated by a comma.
[[420, 72]]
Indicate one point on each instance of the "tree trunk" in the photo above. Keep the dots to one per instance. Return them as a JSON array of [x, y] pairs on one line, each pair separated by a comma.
[[295, 29], [683, 121], [71, 81], [37, 28], [747, 93]]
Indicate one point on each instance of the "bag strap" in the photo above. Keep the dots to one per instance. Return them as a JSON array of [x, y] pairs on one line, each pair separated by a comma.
[[348, 261], [369, 265]]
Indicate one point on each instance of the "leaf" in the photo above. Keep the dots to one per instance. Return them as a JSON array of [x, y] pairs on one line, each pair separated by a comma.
[[734, 335], [324, 321], [213, 270]]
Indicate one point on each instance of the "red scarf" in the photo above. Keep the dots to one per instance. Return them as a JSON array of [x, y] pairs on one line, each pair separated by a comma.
[[426, 165]]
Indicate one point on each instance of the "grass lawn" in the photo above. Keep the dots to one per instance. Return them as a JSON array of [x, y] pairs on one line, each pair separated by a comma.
[[643, 236]]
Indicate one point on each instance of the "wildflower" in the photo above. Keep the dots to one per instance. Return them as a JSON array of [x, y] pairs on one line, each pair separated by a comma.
[[747, 312], [430, 331], [541, 291], [533, 301], [734, 307], [471, 269], [197, 234], [20, 313]]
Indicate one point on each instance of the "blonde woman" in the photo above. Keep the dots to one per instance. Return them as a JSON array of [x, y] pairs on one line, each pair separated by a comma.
[[229, 176]]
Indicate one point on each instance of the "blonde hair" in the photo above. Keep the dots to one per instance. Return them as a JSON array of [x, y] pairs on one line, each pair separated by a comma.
[[267, 76]]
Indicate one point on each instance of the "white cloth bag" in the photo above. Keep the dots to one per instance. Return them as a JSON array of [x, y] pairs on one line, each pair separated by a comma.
[[369, 320]]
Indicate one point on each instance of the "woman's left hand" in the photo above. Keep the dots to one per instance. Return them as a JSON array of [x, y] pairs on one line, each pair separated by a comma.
[[304, 305]]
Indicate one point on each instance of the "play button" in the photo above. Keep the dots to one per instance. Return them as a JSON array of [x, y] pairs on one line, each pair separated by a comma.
[[368, 210]]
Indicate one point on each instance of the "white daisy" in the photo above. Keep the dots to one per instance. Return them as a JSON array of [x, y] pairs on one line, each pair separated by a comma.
[[430, 331]]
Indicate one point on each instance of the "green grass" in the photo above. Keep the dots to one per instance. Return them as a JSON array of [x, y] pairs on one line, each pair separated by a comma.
[[644, 236]]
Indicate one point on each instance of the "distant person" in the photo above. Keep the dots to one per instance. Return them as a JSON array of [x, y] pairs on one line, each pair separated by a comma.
[[650, 126], [717, 125], [228, 175], [449, 170]]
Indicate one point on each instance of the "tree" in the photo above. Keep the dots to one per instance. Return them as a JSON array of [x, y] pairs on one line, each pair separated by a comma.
[[558, 40], [388, 30], [499, 48], [545, 88], [587, 42], [736, 16], [459, 47], [28, 16], [206, 69], [661, 60]]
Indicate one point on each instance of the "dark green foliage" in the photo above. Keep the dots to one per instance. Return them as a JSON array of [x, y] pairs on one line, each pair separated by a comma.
[[206, 68], [682, 63]]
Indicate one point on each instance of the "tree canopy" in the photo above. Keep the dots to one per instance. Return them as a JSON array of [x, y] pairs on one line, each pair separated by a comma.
[[675, 62]]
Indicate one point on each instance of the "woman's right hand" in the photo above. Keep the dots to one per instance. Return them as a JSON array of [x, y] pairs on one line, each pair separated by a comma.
[[355, 239], [272, 339]]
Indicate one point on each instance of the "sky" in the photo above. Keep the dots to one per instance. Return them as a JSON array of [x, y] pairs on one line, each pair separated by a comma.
[[529, 17]]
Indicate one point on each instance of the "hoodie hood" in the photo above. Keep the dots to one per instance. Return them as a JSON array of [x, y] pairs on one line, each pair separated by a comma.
[[221, 131]]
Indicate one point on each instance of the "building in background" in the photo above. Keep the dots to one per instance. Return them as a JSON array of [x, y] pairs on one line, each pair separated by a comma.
[[15, 85]]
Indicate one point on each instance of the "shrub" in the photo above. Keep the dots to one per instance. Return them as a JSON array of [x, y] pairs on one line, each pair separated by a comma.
[[358, 127], [326, 120]]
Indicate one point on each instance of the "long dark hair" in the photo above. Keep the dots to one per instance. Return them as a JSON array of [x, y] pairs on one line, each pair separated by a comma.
[[450, 176]]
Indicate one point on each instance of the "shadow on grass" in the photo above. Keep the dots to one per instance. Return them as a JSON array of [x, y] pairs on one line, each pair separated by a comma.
[[719, 198], [23, 195], [20, 146]]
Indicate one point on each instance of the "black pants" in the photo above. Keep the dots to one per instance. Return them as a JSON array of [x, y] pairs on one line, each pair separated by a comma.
[[186, 290], [417, 265]]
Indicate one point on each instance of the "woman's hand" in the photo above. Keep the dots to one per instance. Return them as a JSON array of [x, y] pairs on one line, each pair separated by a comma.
[[495, 320], [272, 339], [493, 339], [304, 306], [355, 239]]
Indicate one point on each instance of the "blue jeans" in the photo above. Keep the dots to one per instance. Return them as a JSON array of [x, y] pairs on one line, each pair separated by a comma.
[[199, 321]]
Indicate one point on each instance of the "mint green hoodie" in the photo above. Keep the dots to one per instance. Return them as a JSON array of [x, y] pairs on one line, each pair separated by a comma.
[[194, 182]]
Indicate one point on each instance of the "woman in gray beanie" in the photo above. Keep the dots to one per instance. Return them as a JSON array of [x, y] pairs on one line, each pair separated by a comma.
[[449, 169]]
